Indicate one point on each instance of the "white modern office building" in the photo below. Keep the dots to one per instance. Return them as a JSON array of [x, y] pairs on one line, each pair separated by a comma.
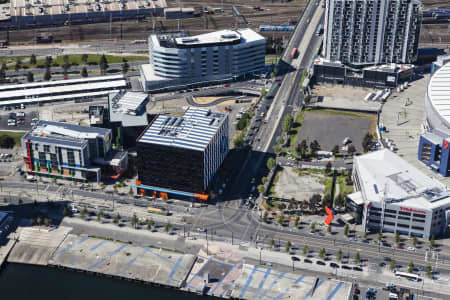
[[361, 33], [397, 197], [177, 60]]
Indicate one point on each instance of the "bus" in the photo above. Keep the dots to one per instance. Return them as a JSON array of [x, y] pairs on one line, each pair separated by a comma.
[[158, 210], [409, 276]]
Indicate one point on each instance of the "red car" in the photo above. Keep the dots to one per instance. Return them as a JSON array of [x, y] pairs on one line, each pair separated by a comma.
[[400, 247], [226, 85]]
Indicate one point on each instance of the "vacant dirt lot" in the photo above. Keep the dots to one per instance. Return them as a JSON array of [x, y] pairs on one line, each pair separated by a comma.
[[291, 185]]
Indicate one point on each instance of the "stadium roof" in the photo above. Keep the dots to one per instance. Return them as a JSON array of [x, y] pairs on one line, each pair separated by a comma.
[[384, 176], [193, 131], [439, 92]]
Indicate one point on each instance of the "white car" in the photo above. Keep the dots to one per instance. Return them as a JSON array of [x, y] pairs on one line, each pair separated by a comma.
[[20, 114], [411, 249]]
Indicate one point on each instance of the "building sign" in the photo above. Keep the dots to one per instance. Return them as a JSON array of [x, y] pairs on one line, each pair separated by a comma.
[[413, 210], [390, 79]]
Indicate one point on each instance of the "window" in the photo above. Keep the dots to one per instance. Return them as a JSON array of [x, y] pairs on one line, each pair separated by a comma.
[[403, 225], [403, 218], [375, 208], [46, 148], [42, 160], [404, 213], [70, 158], [417, 228], [419, 215], [389, 223], [389, 216], [419, 220], [390, 211]]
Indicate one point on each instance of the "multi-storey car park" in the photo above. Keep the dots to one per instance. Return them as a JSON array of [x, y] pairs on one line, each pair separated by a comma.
[[359, 34], [29, 13], [397, 197], [180, 155], [177, 60], [61, 90], [74, 152]]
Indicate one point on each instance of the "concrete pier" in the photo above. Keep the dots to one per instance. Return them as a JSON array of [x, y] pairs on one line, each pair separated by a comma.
[[35, 245], [123, 260]]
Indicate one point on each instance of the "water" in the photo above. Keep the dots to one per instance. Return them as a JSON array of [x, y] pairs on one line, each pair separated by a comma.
[[25, 282]]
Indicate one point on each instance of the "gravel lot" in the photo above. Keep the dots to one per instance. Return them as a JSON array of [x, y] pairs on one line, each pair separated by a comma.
[[330, 128]]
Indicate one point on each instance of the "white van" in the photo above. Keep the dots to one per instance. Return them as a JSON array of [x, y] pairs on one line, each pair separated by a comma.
[[393, 296]]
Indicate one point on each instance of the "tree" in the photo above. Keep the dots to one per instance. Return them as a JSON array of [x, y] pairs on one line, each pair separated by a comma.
[[47, 221], [414, 242], [428, 271], [264, 180], [66, 59], [150, 224], [263, 92], [432, 242], [125, 67], [357, 258], [335, 149], [116, 219], [84, 58], [239, 141], [351, 149], [265, 217], [271, 163], [297, 219], [328, 167], [134, 221], [305, 250], [38, 220], [66, 67], [392, 265], [167, 228], [84, 72], [288, 246], [6, 141], [100, 215], [302, 148], [346, 229], [367, 142], [339, 255], [380, 236], [48, 62], [18, 64], [322, 253], [281, 219], [314, 146], [329, 229], [410, 267], [397, 238], [272, 243], [312, 227], [287, 123], [47, 74], [260, 188], [33, 59], [30, 77], [103, 64]]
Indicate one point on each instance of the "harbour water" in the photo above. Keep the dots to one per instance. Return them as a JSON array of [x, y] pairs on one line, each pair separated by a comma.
[[24, 282]]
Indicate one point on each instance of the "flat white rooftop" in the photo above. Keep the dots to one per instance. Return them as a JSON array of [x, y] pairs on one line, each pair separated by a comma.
[[384, 176], [219, 37], [439, 92], [193, 131]]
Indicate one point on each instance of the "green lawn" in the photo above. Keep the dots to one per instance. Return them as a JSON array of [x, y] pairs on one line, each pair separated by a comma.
[[76, 60], [10, 59], [16, 135]]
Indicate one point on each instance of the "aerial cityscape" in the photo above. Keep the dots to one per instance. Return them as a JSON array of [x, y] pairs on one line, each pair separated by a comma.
[[225, 149]]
